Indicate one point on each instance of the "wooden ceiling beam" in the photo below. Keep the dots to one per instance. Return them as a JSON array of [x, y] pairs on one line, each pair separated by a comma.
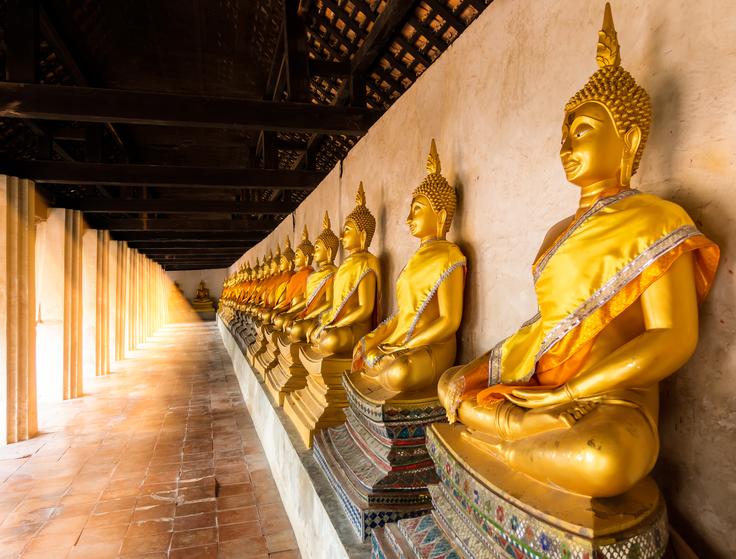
[[84, 104], [192, 250], [182, 225], [192, 244], [188, 236], [175, 206], [59, 172]]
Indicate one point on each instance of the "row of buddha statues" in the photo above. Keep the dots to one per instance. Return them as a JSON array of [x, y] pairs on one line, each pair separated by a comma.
[[540, 447]]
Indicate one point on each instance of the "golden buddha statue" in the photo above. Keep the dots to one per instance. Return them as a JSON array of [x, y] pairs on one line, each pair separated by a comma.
[[562, 415], [409, 351], [281, 278], [352, 314], [293, 300], [355, 287], [202, 303], [392, 388], [319, 284], [282, 268], [279, 381], [287, 373]]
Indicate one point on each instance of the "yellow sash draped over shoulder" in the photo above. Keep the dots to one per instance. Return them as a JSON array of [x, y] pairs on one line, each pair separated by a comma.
[[418, 282], [318, 282], [347, 279], [596, 269]]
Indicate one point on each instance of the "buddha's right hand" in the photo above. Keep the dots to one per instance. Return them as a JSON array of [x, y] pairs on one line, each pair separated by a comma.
[[455, 391]]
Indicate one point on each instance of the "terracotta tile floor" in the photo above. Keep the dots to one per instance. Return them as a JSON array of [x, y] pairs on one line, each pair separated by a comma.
[[159, 459]]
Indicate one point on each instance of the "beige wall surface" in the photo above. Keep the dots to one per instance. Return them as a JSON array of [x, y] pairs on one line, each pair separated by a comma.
[[494, 103], [189, 281]]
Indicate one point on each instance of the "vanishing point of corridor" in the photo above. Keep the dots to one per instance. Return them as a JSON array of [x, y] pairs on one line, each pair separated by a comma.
[[157, 460]]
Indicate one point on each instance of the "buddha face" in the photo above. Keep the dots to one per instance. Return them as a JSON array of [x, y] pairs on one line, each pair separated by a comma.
[[321, 254], [352, 238], [300, 259], [422, 220], [284, 264], [274, 266], [592, 150]]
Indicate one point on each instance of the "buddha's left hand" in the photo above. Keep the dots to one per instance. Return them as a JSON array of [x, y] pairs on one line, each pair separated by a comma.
[[538, 398]]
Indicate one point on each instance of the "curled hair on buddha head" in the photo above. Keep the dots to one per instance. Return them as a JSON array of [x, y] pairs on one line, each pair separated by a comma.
[[288, 253], [613, 87], [306, 246], [435, 188], [328, 237], [362, 217]]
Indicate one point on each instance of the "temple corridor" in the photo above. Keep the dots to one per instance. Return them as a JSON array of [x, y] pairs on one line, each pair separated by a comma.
[[159, 459]]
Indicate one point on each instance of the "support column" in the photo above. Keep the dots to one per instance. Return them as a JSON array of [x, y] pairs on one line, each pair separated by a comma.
[[121, 301], [102, 309], [19, 327], [72, 304]]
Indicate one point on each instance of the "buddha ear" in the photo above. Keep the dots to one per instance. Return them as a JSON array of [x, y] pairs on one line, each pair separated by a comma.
[[363, 239], [632, 140], [441, 220]]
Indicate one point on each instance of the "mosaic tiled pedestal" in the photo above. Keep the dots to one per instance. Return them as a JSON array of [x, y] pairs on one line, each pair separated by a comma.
[[321, 402], [513, 516], [377, 461], [287, 374]]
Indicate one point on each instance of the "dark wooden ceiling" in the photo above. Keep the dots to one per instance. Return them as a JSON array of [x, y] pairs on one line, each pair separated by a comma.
[[190, 128]]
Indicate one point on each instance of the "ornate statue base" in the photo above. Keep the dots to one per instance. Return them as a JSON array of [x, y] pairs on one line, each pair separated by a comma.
[[287, 374], [258, 348], [377, 462], [509, 515], [321, 402], [266, 359]]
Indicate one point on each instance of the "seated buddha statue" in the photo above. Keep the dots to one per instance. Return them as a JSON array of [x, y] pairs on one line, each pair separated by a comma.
[[286, 373], [318, 291], [293, 299], [351, 315], [202, 301], [355, 287], [571, 398], [378, 457], [413, 347], [281, 277]]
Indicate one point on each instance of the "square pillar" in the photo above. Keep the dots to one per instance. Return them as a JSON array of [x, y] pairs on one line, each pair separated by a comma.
[[102, 304], [18, 331], [72, 358]]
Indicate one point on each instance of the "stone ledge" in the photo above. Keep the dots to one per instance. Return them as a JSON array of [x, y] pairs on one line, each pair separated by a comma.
[[319, 523]]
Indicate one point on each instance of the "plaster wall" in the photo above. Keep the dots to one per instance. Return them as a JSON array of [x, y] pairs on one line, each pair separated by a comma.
[[189, 280], [494, 103], [50, 307]]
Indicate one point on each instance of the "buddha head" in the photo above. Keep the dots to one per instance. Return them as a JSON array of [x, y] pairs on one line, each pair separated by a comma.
[[433, 202], [607, 122], [274, 261], [304, 252], [360, 225], [286, 261], [326, 245]]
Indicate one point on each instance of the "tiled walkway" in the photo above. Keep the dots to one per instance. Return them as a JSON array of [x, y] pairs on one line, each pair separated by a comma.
[[159, 459]]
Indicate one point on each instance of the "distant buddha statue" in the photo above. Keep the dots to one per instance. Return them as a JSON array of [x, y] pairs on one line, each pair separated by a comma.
[[284, 264], [571, 399], [293, 299], [318, 290], [351, 315], [202, 301], [355, 300], [411, 349]]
